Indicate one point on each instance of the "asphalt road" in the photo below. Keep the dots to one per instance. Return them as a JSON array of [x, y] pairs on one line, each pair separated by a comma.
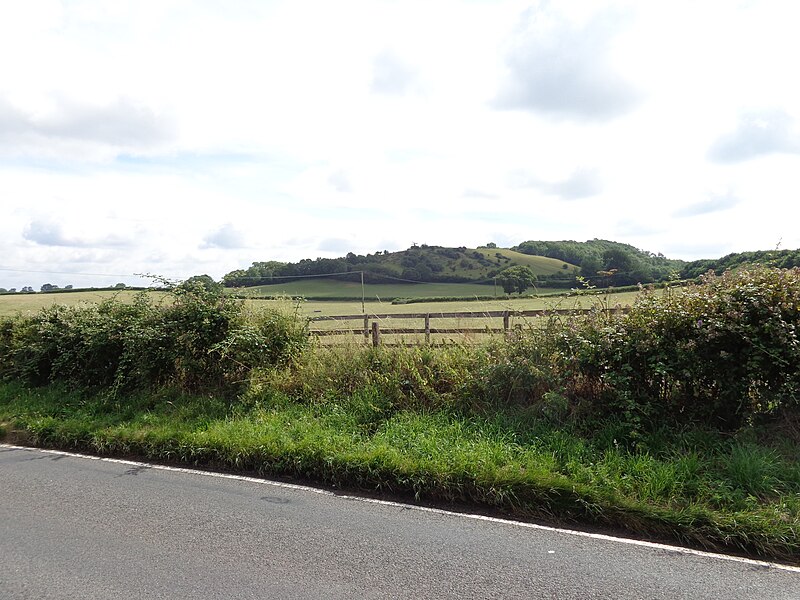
[[73, 527]]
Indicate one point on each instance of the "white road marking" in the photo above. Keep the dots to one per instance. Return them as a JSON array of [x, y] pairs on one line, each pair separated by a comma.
[[439, 511]]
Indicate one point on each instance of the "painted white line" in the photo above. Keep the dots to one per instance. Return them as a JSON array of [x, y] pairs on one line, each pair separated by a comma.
[[439, 511]]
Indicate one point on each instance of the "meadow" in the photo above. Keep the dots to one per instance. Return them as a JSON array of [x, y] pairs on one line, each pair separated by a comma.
[[27, 304]]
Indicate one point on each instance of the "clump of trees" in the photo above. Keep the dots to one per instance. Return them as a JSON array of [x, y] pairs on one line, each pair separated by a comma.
[[516, 279], [418, 263], [628, 264], [783, 259]]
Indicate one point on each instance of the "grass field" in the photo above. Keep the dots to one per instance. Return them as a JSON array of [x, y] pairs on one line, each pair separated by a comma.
[[27, 304], [313, 309], [541, 265], [330, 288], [12, 304]]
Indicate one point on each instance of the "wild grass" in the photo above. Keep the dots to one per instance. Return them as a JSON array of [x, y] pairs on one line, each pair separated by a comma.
[[694, 486]]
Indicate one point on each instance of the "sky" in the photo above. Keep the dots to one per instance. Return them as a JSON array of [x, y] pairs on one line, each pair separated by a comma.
[[175, 138]]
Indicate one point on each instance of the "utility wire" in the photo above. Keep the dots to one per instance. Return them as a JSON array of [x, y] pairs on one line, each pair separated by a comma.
[[71, 273]]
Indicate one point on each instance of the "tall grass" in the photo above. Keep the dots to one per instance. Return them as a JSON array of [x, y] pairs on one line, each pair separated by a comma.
[[724, 494]]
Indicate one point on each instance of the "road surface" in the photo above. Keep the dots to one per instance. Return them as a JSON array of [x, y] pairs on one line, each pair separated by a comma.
[[78, 527]]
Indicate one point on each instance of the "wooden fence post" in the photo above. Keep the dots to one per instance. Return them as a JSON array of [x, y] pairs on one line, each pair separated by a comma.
[[428, 328], [376, 334], [366, 328], [506, 321]]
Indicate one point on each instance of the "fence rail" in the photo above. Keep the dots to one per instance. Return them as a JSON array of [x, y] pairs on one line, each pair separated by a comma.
[[371, 327]]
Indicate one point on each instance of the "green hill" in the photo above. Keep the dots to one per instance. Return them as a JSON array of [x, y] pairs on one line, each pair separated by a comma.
[[604, 262], [418, 264], [783, 259]]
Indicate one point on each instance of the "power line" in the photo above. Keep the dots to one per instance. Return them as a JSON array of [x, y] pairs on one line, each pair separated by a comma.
[[368, 273], [72, 273]]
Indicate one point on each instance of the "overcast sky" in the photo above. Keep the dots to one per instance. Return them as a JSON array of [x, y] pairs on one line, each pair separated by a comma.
[[177, 138]]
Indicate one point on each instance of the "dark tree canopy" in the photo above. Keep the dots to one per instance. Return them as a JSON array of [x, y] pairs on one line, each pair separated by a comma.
[[516, 279]]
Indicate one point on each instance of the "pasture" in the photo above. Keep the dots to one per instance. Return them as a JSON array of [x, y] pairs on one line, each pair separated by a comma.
[[323, 288], [26, 304]]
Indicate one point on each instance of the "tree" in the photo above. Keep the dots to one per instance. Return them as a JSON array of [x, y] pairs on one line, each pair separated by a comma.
[[516, 279], [204, 281], [49, 287]]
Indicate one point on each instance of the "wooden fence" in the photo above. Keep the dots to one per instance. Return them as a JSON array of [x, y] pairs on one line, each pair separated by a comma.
[[371, 328]]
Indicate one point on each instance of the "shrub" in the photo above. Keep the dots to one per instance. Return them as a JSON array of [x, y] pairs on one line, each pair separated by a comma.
[[200, 340], [720, 352]]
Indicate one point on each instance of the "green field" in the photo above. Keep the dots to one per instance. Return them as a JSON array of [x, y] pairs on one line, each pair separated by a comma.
[[320, 288], [27, 304], [11, 304]]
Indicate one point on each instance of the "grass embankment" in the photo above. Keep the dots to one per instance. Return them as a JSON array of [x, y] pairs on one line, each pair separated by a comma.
[[678, 421], [695, 487]]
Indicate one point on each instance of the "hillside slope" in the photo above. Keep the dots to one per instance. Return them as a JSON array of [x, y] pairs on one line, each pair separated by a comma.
[[432, 264]]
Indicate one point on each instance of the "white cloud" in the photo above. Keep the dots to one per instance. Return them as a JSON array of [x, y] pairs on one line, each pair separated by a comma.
[[581, 183], [178, 138], [392, 76], [716, 203], [227, 237], [563, 68], [758, 133]]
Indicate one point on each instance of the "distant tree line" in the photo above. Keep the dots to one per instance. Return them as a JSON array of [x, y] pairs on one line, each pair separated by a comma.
[[603, 262], [599, 262], [421, 263], [52, 288], [783, 259]]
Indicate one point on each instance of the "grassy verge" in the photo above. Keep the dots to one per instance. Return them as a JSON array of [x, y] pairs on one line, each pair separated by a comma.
[[734, 493]]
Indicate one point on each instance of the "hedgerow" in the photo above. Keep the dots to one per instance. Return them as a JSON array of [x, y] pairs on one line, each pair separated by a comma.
[[721, 352], [199, 340]]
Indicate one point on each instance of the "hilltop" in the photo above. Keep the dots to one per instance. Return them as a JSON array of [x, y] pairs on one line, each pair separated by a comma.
[[418, 264], [555, 263]]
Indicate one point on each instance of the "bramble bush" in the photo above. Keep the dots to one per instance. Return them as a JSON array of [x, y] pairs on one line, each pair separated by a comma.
[[200, 340], [720, 352]]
